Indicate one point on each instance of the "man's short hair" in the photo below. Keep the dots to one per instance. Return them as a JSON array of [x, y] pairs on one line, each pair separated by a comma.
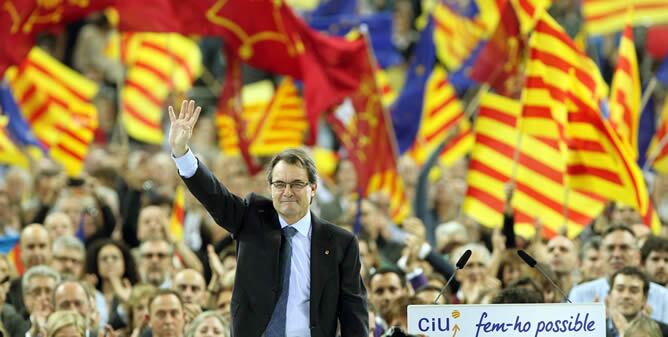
[[634, 272], [389, 270], [68, 242], [653, 244], [38, 271], [593, 243], [296, 157], [517, 295], [615, 228], [169, 244], [164, 292]]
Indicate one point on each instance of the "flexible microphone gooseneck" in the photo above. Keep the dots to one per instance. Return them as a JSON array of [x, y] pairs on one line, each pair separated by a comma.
[[461, 263], [533, 264]]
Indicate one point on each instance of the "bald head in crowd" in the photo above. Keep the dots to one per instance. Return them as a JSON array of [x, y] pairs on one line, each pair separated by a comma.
[[191, 285], [35, 246]]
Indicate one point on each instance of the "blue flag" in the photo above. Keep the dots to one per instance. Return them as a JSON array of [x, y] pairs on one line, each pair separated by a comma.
[[18, 128], [380, 33], [646, 130], [334, 8], [662, 72], [7, 243], [407, 110]]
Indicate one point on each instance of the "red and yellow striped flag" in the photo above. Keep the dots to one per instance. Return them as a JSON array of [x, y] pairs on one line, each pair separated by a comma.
[[625, 94], [528, 13], [274, 121], [178, 213], [157, 65], [456, 36], [658, 148], [609, 16], [56, 102], [599, 161], [459, 146], [552, 56], [441, 110], [9, 152], [539, 192]]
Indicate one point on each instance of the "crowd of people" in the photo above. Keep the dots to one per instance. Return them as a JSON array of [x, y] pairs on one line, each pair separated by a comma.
[[98, 256]]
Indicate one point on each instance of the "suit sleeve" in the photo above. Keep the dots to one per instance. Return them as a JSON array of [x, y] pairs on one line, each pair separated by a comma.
[[227, 209], [353, 312]]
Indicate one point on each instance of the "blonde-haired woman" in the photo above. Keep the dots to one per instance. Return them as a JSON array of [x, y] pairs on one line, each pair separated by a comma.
[[208, 324], [65, 324]]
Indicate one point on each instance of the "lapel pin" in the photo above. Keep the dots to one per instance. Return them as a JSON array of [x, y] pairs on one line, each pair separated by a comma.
[[327, 252]]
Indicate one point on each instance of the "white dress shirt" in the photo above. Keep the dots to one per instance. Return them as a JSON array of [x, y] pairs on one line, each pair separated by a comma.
[[299, 296]]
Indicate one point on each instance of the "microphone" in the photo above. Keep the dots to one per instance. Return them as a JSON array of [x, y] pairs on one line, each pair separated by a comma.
[[461, 263], [533, 264]]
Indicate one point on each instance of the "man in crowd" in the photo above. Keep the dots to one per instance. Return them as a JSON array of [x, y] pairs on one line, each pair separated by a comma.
[[192, 287], [654, 255], [73, 295], [619, 249], [69, 255], [591, 263], [629, 287], [35, 245], [563, 259], [156, 262], [166, 314], [386, 286], [38, 284]]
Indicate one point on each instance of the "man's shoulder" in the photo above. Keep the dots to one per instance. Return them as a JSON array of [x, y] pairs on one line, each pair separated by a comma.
[[655, 287], [594, 285]]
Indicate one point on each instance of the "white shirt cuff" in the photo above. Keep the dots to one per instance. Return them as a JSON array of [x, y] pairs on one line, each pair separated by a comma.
[[187, 164], [425, 249]]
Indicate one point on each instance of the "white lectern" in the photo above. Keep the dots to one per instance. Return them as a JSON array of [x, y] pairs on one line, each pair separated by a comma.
[[507, 320]]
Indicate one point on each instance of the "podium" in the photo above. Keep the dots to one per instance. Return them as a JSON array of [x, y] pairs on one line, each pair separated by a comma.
[[508, 320]]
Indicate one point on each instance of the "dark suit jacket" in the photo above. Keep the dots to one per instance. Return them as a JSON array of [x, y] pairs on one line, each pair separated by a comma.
[[337, 291]]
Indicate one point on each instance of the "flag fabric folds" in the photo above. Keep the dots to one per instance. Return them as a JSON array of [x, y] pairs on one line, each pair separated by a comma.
[[456, 36], [540, 191], [273, 120], [178, 214], [9, 152], [364, 129], [625, 93], [609, 16], [157, 65], [20, 21], [658, 148], [56, 102]]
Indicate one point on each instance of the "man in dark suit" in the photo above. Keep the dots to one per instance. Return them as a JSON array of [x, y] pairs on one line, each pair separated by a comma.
[[297, 275], [627, 300]]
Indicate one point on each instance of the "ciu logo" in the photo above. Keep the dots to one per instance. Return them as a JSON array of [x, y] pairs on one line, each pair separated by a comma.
[[440, 324]]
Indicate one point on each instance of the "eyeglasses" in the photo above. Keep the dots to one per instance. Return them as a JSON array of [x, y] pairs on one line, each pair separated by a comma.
[[150, 255], [296, 185]]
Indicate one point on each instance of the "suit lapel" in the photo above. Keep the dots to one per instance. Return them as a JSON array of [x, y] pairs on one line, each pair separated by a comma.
[[272, 234], [322, 261]]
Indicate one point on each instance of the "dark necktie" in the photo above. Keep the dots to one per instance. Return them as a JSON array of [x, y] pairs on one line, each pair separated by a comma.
[[276, 326]]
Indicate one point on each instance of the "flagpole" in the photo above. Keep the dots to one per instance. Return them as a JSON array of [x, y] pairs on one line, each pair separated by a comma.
[[648, 93], [655, 152], [120, 131]]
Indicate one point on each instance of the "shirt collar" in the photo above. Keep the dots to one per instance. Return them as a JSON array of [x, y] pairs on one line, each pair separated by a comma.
[[302, 226]]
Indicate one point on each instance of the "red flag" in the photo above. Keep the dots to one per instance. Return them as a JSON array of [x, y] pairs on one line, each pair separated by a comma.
[[500, 59], [20, 21], [273, 38]]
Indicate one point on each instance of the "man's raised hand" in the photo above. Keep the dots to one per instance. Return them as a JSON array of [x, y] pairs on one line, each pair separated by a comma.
[[181, 128]]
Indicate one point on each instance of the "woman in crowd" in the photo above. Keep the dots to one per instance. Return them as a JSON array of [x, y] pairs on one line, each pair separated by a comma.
[[208, 324]]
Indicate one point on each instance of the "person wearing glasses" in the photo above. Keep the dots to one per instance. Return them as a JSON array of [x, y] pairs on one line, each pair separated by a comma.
[[155, 262], [297, 275]]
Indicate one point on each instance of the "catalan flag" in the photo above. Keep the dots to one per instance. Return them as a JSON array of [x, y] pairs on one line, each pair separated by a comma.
[[273, 120], [11, 246], [625, 93], [552, 55], [364, 128], [56, 102], [440, 112], [157, 65], [459, 146], [178, 213], [599, 161], [609, 16], [528, 12], [540, 190], [658, 149], [456, 36]]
